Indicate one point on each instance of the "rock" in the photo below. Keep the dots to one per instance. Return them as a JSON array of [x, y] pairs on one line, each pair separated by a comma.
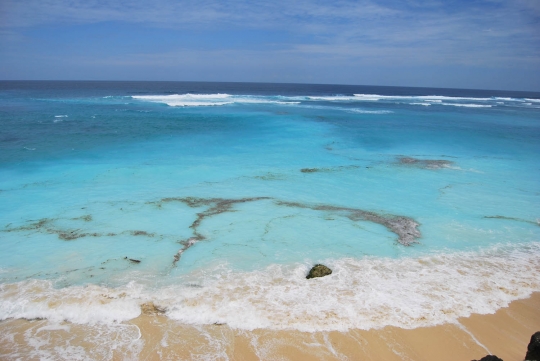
[[319, 270], [150, 309], [489, 358], [133, 260], [533, 350]]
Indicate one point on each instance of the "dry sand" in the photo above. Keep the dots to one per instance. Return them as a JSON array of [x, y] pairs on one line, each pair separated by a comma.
[[505, 334]]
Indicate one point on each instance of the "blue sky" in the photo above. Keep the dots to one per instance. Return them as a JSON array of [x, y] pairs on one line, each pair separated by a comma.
[[488, 44]]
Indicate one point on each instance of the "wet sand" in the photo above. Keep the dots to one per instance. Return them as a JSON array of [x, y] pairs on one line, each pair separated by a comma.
[[154, 337]]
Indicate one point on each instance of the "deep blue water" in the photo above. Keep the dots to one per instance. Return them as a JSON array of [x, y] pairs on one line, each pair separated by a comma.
[[227, 188]]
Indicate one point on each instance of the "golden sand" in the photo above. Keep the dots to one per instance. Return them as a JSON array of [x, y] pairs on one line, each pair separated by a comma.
[[154, 337]]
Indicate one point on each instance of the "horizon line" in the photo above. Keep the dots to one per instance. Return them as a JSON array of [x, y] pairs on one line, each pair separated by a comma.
[[263, 82]]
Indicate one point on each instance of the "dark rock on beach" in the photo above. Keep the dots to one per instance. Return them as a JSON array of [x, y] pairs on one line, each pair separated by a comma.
[[489, 358], [319, 270], [533, 350]]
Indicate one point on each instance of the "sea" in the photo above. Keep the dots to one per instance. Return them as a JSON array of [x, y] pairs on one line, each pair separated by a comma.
[[210, 202]]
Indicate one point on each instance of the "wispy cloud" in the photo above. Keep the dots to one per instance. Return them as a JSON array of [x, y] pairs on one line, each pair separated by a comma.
[[490, 33]]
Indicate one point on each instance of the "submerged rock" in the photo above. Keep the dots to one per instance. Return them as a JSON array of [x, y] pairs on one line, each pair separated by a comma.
[[319, 270], [150, 309], [489, 358], [425, 163], [533, 350]]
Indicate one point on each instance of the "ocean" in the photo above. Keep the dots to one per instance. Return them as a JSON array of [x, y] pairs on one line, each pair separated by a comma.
[[211, 202]]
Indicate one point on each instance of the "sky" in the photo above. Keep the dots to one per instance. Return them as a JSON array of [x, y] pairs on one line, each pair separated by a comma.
[[479, 44]]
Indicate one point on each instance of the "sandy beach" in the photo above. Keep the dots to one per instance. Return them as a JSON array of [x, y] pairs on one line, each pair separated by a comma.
[[153, 337]]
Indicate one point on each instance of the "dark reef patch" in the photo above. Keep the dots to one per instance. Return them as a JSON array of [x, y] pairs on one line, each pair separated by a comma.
[[424, 163], [86, 218], [271, 177], [537, 223], [329, 169], [47, 226], [141, 233], [403, 227], [215, 206]]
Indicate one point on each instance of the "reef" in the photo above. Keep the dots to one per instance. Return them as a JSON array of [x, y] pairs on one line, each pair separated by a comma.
[[403, 227], [424, 163], [329, 169], [47, 225], [537, 223], [215, 206], [319, 270], [271, 177]]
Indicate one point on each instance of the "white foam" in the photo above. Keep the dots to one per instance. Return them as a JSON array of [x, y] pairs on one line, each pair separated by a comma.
[[508, 99], [219, 99], [368, 293], [361, 293], [199, 100], [91, 304], [59, 118], [183, 100], [467, 105], [532, 100], [364, 111], [332, 98], [424, 104], [371, 97]]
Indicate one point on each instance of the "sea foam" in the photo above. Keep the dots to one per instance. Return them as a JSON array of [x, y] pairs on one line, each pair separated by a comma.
[[361, 293], [195, 100]]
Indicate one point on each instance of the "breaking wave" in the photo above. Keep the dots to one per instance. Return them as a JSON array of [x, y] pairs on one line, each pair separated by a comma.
[[361, 293]]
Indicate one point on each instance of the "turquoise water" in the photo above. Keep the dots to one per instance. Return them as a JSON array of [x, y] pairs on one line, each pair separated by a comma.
[[213, 200]]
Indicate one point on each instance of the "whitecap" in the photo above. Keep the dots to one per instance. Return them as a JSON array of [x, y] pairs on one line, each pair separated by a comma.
[[332, 98], [371, 97], [468, 105], [219, 99], [364, 111], [508, 99], [183, 100]]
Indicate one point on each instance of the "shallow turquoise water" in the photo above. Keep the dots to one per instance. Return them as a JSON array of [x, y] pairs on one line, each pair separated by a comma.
[[241, 188]]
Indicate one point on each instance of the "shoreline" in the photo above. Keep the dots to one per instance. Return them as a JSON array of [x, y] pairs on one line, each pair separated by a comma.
[[505, 334]]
